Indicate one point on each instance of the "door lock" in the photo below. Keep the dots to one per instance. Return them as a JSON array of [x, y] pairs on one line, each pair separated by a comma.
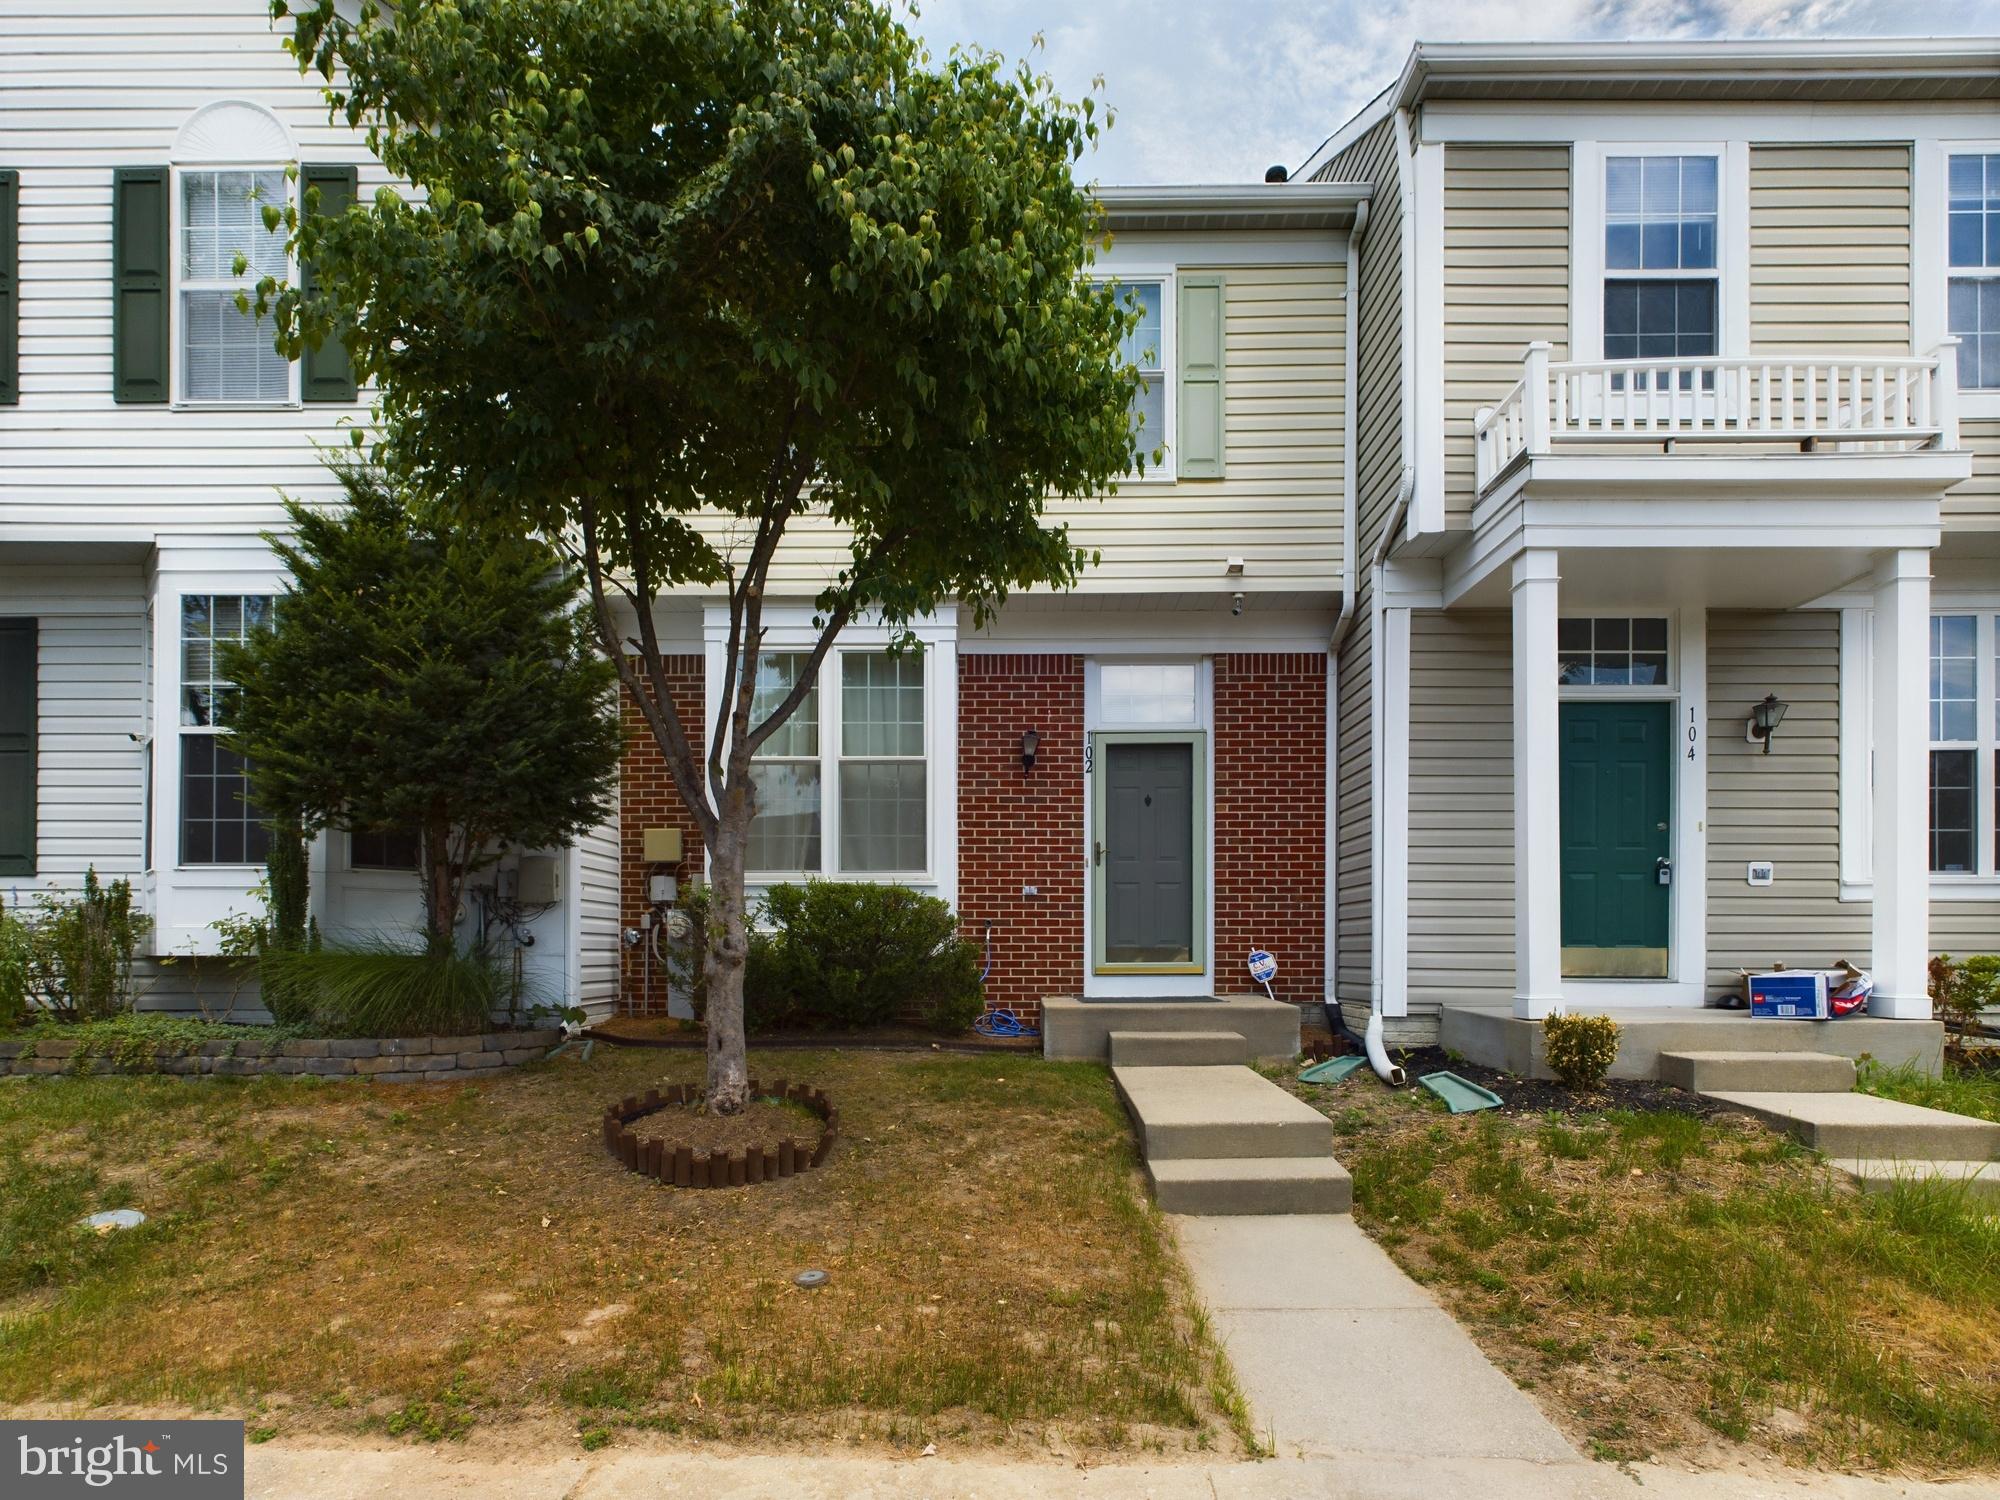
[[1663, 871], [1097, 852]]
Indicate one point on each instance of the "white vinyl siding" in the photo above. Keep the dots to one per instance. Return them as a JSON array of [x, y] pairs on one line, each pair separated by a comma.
[[89, 86]]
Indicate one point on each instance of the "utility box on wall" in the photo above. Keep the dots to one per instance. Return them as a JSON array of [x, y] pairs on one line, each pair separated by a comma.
[[662, 846], [538, 883]]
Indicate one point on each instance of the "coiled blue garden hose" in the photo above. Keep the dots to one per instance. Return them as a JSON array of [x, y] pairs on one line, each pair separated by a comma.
[[1001, 1020]]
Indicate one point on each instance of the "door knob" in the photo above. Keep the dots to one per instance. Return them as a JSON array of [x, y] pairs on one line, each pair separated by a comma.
[[1663, 871]]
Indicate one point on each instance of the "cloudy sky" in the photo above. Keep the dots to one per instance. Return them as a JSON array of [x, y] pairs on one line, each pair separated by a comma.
[[1217, 90]]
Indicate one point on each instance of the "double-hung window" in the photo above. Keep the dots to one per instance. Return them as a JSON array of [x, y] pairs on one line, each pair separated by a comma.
[[1144, 348], [1965, 743], [1661, 278], [227, 355], [220, 824], [1972, 235], [869, 740]]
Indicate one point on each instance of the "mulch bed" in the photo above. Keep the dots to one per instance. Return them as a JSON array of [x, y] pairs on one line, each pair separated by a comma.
[[742, 1157], [1537, 1096], [761, 1122], [658, 1031]]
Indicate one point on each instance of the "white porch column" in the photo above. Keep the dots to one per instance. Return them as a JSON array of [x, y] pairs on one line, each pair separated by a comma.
[[1901, 670], [1537, 789]]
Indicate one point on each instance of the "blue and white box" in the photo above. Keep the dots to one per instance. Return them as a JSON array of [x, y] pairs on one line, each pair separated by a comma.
[[1789, 994]]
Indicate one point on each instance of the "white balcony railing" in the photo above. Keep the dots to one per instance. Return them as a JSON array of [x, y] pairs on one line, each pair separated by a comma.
[[1813, 400]]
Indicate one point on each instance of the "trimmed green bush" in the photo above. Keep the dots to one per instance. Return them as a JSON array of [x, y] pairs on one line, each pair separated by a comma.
[[381, 988], [78, 951], [1580, 1049], [847, 955]]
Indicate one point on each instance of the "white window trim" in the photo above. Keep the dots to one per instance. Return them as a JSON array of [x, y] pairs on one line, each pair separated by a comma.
[[1857, 881], [1686, 690], [1113, 985], [1930, 250], [183, 732], [1587, 227], [177, 353], [789, 629], [1164, 277]]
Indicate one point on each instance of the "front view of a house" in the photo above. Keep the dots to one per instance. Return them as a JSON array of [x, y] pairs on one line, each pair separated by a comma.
[[1571, 574]]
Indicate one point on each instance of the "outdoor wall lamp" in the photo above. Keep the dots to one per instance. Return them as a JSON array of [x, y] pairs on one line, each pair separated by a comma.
[[1764, 721], [1030, 743]]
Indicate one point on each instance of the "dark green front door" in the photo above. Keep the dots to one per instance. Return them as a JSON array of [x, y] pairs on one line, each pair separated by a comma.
[[1617, 814]]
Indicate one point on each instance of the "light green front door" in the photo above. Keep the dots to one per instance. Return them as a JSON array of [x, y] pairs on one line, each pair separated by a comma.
[[1617, 814]]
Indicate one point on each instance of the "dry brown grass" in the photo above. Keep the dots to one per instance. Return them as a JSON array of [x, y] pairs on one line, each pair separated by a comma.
[[1686, 1288], [340, 1256]]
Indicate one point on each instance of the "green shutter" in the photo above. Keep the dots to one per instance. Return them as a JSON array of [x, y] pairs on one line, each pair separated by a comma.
[[1200, 343], [141, 356], [17, 747], [329, 373], [10, 288]]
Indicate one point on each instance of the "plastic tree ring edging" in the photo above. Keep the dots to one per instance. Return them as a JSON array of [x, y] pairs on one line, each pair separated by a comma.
[[684, 1167]]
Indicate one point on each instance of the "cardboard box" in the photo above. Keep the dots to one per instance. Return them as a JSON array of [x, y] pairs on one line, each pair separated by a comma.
[[1788, 994]]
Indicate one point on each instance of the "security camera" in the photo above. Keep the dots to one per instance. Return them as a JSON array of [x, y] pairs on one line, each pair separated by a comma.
[[1236, 604]]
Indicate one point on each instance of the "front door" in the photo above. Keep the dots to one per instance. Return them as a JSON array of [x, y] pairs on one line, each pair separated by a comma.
[[1146, 866], [1617, 814]]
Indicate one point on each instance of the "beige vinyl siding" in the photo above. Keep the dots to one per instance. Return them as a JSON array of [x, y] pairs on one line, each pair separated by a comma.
[[87, 86], [1975, 505], [1785, 806], [1506, 284], [1378, 472], [1830, 249], [1461, 808]]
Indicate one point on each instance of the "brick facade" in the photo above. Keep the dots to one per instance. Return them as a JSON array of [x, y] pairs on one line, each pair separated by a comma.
[[647, 798], [1270, 820], [1019, 829]]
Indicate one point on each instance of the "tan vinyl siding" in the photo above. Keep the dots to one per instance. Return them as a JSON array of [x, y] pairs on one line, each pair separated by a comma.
[[1785, 806], [1506, 283], [1461, 808], [1830, 249], [1277, 505], [1975, 505], [1378, 472]]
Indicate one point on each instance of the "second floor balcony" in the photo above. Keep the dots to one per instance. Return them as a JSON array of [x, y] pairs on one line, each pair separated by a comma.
[[1785, 403]]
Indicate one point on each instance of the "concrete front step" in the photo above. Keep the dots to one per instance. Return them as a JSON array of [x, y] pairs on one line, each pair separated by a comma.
[[1252, 1185], [1082, 1028], [1758, 1072], [1981, 1179], [1157, 1049], [1206, 1113], [1863, 1126]]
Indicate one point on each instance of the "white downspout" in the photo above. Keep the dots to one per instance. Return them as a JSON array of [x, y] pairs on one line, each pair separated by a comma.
[[1344, 622]]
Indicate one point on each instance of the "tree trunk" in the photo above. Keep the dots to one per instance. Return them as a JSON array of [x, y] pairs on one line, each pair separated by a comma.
[[726, 951], [440, 894]]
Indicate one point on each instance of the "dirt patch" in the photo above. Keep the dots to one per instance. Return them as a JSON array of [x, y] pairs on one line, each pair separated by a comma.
[[664, 1031], [1540, 1096], [761, 1123]]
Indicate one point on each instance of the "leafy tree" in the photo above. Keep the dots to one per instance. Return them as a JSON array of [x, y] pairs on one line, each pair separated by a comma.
[[687, 275], [424, 678]]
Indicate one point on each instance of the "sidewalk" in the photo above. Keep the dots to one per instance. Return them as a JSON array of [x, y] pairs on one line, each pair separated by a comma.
[[280, 1472]]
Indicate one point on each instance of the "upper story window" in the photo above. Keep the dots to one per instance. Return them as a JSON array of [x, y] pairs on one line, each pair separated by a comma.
[[227, 355], [1145, 349], [220, 825], [1973, 237], [1661, 280], [870, 741]]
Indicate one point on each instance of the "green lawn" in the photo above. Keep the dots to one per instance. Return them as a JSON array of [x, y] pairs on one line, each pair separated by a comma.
[[1663, 1282], [1962, 1090], [417, 1260]]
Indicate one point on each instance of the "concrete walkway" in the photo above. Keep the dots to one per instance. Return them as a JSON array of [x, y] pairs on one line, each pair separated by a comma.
[[278, 1471], [1341, 1355]]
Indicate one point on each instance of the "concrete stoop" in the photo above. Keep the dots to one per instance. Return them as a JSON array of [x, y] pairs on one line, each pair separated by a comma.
[[1758, 1072], [1072, 1027], [1160, 1049], [1863, 1127], [1219, 1139]]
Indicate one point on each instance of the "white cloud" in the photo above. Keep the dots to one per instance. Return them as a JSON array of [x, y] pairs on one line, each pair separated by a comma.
[[1217, 92]]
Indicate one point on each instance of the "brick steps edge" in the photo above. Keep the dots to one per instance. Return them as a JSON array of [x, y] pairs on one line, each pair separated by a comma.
[[389, 1060]]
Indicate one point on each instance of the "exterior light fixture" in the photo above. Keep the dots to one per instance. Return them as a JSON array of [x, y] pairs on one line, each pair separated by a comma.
[[1764, 721], [1030, 743]]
